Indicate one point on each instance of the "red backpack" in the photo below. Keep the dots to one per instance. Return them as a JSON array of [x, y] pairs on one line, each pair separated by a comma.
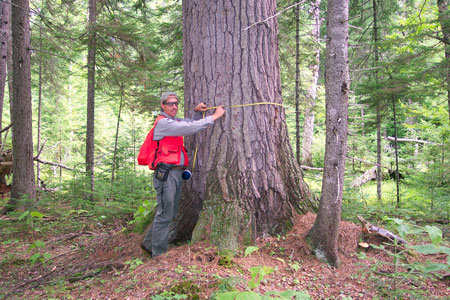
[[147, 152]]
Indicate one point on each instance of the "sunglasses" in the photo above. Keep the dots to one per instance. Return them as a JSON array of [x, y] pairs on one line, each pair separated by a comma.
[[171, 103]]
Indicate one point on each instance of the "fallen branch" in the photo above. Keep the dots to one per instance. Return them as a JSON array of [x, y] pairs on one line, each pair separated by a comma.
[[95, 270], [367, 162], [30, 281], [311, 168], [391, 138], [53, 164], [364, 178], [380, 231]]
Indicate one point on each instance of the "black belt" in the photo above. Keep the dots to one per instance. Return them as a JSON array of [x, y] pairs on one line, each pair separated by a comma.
[[179, 168]]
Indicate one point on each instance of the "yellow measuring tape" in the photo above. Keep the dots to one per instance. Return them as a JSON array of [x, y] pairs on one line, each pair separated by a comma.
[[232, 106]]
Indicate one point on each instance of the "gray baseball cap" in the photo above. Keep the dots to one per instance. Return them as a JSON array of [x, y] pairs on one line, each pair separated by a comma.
[[165, 96]]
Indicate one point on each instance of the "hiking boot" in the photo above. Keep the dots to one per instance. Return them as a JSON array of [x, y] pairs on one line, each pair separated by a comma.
[[146, 250]]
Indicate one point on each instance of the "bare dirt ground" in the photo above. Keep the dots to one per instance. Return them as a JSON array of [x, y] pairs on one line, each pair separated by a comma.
[[108, 264]]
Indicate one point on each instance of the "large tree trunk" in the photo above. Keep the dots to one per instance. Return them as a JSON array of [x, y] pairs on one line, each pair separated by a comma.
[[325, 231], [247, 182], [23, 183], [445, 27], [308, 125], [91, 95]]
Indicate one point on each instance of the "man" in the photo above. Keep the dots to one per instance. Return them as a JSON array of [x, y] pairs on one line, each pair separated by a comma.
[[168, 157]]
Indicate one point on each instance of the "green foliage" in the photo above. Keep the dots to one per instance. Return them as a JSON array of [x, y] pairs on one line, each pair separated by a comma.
[[37, 246], [257, 276], [249, 250], [226, 257], [134, 263], [404, 277], [168, 296]]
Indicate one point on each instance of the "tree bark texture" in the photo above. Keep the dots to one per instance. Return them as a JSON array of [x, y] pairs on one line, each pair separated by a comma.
[[297, 84], [445, 27], [116, 139], [308, 124], [325, 231], [246, 181], [5, 8], [23, 183], [39, 116], [378, 109], [91, 95], [397, 179]]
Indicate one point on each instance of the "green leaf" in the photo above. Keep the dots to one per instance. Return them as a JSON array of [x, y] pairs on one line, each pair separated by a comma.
[[36, 214], [47, 255], [227, 296], [34, 257], [39, 244], [249, 250], [299, 295], [23, 215], [445, 250], [248, 295], [434, 267], [434, 233], [267, 270], [426, 249]]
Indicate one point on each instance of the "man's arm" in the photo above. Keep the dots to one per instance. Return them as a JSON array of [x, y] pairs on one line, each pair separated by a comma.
[[170, 127]]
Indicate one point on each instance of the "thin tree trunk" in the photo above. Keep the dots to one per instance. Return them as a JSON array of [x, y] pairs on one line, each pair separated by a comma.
[[9, 61], [246, 181], [91, 96], [445, 27], [5, 8], [23, 184], [38, 141], [5, 42], [297, 83], [378, 109], [308, 126], [325, 231], [397, 180], [117, 134]]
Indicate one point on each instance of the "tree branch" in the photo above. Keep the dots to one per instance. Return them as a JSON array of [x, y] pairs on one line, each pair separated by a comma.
[[367, 162], [6, 128], [271, 17], [391, 138], [52, 164]]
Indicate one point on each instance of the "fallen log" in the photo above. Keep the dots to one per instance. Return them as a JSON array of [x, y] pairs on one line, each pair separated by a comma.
[[311, 168], [369, 228], [391, 138], [364, 178]]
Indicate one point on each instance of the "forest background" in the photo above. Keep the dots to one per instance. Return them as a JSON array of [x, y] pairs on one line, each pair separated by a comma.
[[399, 111]]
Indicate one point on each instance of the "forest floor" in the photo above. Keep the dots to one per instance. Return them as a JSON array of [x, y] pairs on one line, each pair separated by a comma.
[[107, 263]]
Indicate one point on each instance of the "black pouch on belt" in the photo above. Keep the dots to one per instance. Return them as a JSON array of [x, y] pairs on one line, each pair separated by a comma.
[[162, 171]]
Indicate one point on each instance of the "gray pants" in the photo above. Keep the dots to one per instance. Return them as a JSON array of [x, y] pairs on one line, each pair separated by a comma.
[[167, 198]]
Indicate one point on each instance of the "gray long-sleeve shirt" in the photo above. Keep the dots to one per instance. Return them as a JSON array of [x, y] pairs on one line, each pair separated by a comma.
[[173, 126]]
